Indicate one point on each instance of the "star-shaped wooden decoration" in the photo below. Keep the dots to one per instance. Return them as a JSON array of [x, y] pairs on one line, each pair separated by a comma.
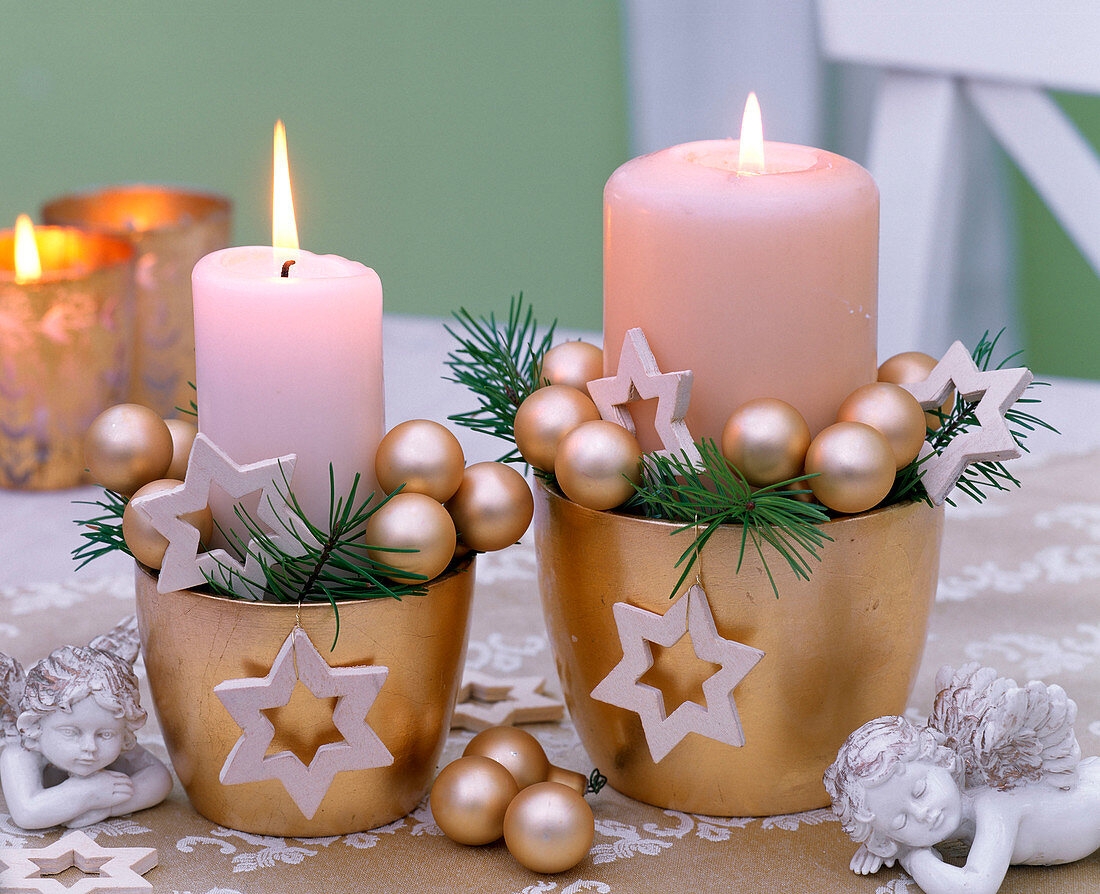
[[638, 628], [117, 869], [994, 390], [639, 378], [183, 565], [485, 701], [247, 698]]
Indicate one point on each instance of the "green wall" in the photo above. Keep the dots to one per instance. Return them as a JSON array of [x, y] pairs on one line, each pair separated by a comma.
[[460, 151]]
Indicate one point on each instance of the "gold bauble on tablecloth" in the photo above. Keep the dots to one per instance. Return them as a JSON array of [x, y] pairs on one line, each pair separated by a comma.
[[469, 799], [571, 778], [893, 412], [572, 363], [492, 507], [515, 749], [596, 463], [853, 467], [766, 441], [183, 436], [424, 456], [127, 446], [549, 827], [412, 521], [145, 542], [547, 416]]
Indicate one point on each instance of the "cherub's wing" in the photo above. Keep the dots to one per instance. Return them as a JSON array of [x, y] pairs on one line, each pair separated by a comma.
[[12, 679], [122, 641]]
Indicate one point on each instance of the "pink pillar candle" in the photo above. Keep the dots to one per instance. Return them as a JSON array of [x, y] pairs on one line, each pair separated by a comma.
[[765, 285]]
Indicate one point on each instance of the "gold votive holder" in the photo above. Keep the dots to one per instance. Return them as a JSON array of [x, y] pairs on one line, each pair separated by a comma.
[[65, 341], [170, 230]]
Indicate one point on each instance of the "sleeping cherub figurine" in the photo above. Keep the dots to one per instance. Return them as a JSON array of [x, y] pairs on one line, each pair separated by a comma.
[[67, 727], [997, 766]]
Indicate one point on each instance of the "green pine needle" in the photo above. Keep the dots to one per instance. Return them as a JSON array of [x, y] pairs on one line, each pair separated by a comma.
[[101, 534]]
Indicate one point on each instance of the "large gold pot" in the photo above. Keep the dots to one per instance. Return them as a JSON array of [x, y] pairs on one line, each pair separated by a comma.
[[192, 642], [840, 649]]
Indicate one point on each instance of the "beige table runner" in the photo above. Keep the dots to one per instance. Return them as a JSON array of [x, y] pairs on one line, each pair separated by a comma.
[[1019, 590]]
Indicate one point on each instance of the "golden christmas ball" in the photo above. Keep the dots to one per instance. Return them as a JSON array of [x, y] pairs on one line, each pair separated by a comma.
[[571, 778], [766, 441], [547, 416], [515, 749], [143, 540], [893, 412], [549, 827], [424, 456], [412, 521], [854, 466], [127, 446], [492, 507], [909, 368], [469, 799], [596, 463], [183, 437], [572, 363]]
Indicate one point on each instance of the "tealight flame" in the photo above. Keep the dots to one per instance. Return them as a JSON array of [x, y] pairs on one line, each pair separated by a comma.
[[750, 151], [284, 231], [28, 267]]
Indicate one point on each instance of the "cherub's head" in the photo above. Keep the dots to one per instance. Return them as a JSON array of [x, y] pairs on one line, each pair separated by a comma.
[[80, 709], [894, 785]]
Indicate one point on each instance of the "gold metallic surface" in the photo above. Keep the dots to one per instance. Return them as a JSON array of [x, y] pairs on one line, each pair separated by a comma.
[[515, 749], [766, 441], [170, 229], [573, 363], [424, 456], [469, 798], [549, 827], [576, 781], [126, 447], [147, 543], [908, 368], [893, 412], [492, 508], [412, 521], [192, 642], [840, 649], [853, 465], [183, 438], [596, 463], [65, 348], [545, 417]]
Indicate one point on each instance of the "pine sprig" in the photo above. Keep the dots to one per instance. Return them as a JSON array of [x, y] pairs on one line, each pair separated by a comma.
[[712, 493], [501, 365], [101, 534]]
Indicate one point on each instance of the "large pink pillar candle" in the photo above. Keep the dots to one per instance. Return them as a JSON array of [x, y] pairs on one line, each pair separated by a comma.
[[763, 284], [291, 365]]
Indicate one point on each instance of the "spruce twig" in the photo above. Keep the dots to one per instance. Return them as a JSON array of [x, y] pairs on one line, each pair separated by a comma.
[[101, 534]]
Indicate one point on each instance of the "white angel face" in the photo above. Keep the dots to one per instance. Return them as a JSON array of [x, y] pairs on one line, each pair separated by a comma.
[[919, 807], [84, 740]]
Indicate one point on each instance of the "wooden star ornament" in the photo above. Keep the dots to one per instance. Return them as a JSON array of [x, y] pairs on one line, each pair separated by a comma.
[[639, 378], [638, 628], [993, 392], [116, 869], [247, 698], [485, 701]]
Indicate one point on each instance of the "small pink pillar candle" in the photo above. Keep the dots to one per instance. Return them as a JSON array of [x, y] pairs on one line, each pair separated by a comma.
[[764, 284]]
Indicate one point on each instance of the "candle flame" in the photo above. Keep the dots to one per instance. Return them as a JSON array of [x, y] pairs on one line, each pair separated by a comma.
[[28, 267], [750, 150], [284, 230]]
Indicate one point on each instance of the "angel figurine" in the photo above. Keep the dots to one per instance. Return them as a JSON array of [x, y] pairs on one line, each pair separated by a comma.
[[70, 756], [997, 766]]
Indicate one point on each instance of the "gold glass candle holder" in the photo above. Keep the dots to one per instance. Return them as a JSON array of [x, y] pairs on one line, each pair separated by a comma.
[[170, 230], [65, 338]]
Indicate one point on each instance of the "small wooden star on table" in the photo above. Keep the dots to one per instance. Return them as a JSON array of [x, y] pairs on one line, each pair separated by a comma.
[[247, 698], [639, 378], [485, 701], [117, 869], [638, 628], [994, 390]]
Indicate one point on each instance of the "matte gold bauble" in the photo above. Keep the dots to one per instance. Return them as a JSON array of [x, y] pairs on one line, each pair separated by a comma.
[[766, 441], [596, 463], [469, 799], [127, 446], [183, 437], [854, 466], [145, 542], [908, 369], [549, 827], [412, 521], [893, 412], [424, 456], [573, 363], [492, 507], [547, 416], [571, 778], [516, 750]]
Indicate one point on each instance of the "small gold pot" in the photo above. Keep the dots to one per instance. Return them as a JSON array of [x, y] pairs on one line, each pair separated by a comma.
[[192, 642], [840, 649]]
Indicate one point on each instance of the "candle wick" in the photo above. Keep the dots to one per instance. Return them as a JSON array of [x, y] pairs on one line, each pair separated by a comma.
[[286, 269]]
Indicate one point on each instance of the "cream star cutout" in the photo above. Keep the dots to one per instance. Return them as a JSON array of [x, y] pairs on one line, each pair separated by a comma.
[[247, 698], [638, 628], [485, 701], [639, 378], [995, 391], [118, 869], [183, 565]]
